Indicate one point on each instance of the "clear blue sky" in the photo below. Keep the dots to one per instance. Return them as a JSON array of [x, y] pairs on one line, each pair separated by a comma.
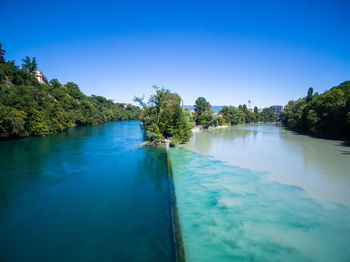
[[226, 51]]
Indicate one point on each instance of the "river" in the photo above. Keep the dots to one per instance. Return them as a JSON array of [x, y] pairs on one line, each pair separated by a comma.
[[244, 193], [85, 194], [263, 193]]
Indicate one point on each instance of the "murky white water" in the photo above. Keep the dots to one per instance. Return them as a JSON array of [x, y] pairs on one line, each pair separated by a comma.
[[321, 167], [261, 193]]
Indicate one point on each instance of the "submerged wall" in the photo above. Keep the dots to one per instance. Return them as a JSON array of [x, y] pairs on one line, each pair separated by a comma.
[[177, 233]]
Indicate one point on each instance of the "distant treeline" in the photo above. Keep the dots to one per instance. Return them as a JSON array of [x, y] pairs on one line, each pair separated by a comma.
[[30, 108], [242, 115], [228, 115], [327, 114]]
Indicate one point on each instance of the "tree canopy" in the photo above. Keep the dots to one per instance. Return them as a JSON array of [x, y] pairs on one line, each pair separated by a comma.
[[162, 117], [203, 112], [327, 114], [2, 53], [242, 115], [29, 64]]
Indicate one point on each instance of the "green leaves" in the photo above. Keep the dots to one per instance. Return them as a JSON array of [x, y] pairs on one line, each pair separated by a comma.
[[242, 115], [12, 121], [37, 124], [29, 65], [163, 117], [2, 53], [267, 115], [325, 114], [203, 112]]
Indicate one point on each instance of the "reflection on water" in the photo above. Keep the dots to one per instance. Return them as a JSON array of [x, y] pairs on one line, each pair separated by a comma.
[[87, 194], [232, 214], [155, 161], [321, 167]]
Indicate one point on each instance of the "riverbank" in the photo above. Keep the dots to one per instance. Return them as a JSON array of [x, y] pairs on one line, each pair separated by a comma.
[[200, 128]]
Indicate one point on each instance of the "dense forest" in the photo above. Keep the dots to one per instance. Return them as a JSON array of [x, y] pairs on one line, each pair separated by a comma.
[[163, 118], [327, 114], [29, 108]]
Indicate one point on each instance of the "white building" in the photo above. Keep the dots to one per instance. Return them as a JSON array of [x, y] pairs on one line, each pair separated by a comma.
[[40, 77]]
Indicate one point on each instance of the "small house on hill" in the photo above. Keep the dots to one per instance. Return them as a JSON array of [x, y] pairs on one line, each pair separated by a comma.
[[40, 77]]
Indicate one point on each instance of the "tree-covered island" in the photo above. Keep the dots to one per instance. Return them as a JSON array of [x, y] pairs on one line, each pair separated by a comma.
[[163, 118]]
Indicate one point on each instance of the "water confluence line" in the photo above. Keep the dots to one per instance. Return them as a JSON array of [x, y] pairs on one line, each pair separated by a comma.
[[177, 233]]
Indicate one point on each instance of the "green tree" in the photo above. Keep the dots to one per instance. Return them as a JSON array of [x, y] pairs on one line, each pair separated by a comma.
[[2, 53], [256, 114], [37, 123], [29, 64], [54, 83], [163, 117], [203, 112], [12, 121], [326, 114], [267, 114], [232, 115], [310, 92]]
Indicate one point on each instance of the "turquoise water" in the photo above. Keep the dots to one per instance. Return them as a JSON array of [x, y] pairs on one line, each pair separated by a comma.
[[229, 213], [87, 194]]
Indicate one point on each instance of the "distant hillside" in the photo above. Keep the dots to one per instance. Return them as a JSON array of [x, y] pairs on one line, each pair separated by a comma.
[[29, 108]]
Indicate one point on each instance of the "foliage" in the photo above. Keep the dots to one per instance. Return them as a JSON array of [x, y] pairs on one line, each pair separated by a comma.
[[242, 115], [228, 115], [327, 114], [232, 115], [29, 64], [162, 117], [190, 117], [54, 83], [30, 108], [2, 53], [309, 96], [266, 115], [203, 112]]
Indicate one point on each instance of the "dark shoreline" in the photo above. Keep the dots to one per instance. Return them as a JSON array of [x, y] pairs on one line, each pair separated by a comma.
[[343, 139], [177, 233]]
